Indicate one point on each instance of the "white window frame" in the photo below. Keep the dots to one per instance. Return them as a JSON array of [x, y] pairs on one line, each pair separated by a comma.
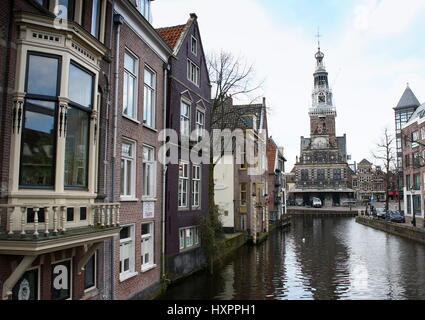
[[184, 118], [193, 72], [124, 275], [150, 88], [95, 274], [196, 179], [199, 125], [186, 179], [134, 75], [151, 236], [188, 234], [194, 41], [132, 195], [151, 163]]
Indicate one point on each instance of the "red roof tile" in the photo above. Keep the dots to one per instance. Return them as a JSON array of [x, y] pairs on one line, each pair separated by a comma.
[[171, 34]]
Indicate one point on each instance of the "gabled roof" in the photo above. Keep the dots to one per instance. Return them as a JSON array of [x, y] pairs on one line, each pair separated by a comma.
[[365, 162], [408, 99], [171, 35], [419, 113]]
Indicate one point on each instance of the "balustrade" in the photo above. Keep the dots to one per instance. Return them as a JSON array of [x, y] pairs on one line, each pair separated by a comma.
[[40, 219]]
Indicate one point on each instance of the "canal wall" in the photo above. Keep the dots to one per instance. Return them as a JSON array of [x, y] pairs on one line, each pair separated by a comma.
[[323, 212], [194, 261], [401, 230]]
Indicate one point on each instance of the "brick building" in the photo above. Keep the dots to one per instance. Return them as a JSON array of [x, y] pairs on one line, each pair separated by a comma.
[[413, 147], [241, 187], [188, 113], [369, 182], [136, 120], [406, 106], [56, 224], [322, 170], [276, 181]]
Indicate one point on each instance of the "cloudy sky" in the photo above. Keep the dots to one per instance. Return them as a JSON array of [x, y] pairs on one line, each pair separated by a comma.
[[372, 49]]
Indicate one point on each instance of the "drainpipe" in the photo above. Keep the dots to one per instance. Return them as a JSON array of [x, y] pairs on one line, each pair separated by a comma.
[[118, 21], [164, 170]]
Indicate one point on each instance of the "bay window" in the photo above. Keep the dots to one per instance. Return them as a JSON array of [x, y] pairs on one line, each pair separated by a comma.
[[149, 95], [96, 18], [148, 171], [128, 165], [38, 144], [80, 90], [196, 186], [69, 6], [184, 119], [130, 86], [144, 7], [183, 184], [147, 245]]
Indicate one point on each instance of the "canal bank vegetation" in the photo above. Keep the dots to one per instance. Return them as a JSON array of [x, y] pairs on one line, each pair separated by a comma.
[[212, 235]]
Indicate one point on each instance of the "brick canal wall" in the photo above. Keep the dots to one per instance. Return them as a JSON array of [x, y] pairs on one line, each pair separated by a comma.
[[401, 230], [323, 212]]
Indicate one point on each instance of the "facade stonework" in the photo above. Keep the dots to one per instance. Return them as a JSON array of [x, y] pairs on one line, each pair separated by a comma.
[[322, 171]]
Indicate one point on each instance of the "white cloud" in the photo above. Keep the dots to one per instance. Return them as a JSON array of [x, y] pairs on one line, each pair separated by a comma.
[[367, 80]]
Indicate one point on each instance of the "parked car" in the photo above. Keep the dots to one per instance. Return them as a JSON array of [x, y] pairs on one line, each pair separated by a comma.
[[380, 213], [317, 203], [396, 216]]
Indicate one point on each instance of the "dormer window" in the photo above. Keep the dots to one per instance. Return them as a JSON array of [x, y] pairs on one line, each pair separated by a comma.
[[144, 7], [194, 46]]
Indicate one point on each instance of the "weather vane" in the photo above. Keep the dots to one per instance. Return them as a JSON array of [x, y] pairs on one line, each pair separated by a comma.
[[318, 37]]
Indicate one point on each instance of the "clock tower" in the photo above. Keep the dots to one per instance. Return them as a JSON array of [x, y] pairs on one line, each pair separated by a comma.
[[322, 112], [322, 170]]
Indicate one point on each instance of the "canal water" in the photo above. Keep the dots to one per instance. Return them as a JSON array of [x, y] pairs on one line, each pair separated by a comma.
[[317, 258]]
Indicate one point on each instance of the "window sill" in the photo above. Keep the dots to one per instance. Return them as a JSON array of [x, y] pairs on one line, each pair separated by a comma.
[[195, 246], [90, 293], [150, 128], [149, 199], [126, 276], [149, 267], [131, 119], [129, 199]]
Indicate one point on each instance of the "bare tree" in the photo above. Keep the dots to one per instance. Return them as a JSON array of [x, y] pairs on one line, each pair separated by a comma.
[[385, 153], [231, 77]]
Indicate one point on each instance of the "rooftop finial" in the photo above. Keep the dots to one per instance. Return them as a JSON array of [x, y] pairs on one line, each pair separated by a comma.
[[318, 37], [408, 85]]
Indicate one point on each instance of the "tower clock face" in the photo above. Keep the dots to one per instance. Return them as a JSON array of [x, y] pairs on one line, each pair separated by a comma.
[[322, 98]]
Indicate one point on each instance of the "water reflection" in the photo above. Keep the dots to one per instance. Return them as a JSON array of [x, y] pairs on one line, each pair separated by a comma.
[[319, 258]]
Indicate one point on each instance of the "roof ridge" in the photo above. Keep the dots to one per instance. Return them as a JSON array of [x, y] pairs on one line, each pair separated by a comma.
[[178, 25]]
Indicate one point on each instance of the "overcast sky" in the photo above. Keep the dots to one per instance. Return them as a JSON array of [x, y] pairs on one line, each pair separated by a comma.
[[372, 49]]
